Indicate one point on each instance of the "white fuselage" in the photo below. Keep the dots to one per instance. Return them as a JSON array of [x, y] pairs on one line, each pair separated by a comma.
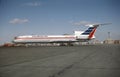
[[48, 38], [52, 38]]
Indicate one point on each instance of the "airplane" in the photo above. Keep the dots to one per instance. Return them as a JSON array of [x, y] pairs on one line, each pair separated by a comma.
[[78, 36]]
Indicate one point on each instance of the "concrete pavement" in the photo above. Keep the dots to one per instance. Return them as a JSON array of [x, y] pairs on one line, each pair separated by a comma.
[[68, 61]]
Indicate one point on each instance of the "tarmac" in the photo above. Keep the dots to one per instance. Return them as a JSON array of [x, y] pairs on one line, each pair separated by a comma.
[[60, 61]]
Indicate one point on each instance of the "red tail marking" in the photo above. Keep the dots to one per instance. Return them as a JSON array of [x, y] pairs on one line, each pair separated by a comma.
[[92, 33]]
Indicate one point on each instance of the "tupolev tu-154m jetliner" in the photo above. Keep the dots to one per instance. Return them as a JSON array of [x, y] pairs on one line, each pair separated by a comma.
[[78, 36]]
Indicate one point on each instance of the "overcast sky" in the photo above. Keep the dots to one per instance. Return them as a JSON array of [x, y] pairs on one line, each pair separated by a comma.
[[49, 17]]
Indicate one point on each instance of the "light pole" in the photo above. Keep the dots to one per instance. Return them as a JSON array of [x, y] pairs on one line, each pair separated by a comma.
[[108, 35]]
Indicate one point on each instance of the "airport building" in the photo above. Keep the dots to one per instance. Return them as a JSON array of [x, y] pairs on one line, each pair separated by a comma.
[[110, 41]]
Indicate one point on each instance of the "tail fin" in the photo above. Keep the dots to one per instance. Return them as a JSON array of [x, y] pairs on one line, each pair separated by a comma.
[[90, 31]]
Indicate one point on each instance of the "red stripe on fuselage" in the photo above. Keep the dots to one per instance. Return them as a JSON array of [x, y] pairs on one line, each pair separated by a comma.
[[46, 38]]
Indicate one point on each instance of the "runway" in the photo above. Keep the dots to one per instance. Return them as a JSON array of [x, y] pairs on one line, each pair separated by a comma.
[[60, 61]]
